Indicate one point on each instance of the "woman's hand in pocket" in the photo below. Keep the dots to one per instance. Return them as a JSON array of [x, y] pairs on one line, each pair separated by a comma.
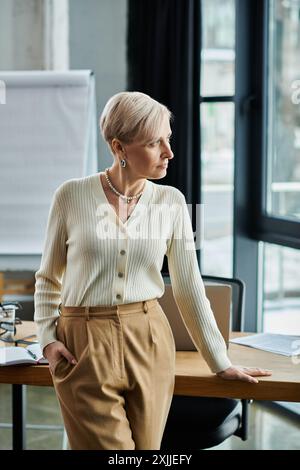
[[53, 352]]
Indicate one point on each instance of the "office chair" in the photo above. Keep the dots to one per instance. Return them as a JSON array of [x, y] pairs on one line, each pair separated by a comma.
[[203, 422]]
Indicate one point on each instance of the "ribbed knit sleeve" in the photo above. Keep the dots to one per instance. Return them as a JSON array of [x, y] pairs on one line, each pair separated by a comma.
[[48, 284], [189, 292]]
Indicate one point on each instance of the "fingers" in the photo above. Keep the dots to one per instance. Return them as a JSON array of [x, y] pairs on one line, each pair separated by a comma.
[[249, 378], [241, 374], [256, 371], [246, 374], [70, 358], [59, 351]]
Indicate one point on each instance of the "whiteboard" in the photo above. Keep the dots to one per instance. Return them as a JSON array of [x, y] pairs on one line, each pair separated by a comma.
[[48, 134]]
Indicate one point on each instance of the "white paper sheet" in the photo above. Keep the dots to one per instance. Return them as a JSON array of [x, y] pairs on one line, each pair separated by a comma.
[[287, 345]]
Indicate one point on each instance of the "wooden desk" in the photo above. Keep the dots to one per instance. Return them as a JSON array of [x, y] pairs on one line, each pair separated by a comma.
[[193, 378]]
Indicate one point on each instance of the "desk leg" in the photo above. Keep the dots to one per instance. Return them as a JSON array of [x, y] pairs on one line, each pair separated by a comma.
[[19, 416]]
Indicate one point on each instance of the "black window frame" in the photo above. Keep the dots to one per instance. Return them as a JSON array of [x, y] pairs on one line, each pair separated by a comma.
[[247, 259], [210, 99], [268, 227], [247, 139], [252, 225]]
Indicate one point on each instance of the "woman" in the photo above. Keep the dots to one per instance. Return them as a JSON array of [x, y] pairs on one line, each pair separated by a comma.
[[110, 347]]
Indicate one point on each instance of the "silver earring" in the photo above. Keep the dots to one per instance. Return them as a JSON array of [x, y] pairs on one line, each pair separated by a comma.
[[123, 163]]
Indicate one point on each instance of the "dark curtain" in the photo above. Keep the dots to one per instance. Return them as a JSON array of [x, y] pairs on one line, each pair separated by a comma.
[[163, 60]]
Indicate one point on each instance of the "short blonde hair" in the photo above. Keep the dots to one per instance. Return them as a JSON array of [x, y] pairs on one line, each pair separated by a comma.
[[132, 115]]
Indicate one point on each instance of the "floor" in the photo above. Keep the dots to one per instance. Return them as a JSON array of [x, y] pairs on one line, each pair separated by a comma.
[[268, 429]]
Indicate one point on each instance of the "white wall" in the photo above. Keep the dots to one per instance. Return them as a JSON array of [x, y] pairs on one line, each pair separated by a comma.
[[97, 32], [21, 34]]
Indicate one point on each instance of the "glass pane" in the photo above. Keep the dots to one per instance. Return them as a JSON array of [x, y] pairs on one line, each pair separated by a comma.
[[218, 47], [283, 183], [281, 306], [217, 187], [6, 417], [45, 428]]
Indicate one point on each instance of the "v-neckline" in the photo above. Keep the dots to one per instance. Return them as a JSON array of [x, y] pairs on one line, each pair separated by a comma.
[[99, 190]]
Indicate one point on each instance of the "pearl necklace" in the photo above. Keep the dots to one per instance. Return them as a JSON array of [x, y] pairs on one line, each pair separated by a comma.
[[127, 198]]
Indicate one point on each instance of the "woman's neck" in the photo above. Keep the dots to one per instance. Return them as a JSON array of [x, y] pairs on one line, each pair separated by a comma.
[[125, 183]]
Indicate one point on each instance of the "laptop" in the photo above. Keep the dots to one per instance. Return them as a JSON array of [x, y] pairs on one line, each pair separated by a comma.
[[219, 296]]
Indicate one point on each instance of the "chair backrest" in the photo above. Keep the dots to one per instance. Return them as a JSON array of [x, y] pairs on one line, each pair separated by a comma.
[[238, 299], [219, 296]]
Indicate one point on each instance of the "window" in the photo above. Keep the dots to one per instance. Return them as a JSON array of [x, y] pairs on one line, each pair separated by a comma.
[[283, 173], [218, 44], [277, 165], [278, 207], [281, 187], [217, 134], [281, 299]]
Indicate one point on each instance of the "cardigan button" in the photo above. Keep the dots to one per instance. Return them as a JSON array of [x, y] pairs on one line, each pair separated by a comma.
[[120, 274], [122, 252], [118, 296]]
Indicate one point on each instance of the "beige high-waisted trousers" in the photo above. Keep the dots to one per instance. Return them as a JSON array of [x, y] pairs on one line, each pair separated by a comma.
[[119, 393]]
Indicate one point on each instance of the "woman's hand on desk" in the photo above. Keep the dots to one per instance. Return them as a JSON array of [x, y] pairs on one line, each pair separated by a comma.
[[54, 351], [247, 374]]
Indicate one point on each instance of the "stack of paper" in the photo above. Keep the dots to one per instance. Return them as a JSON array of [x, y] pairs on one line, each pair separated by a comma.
[[287, 345]]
